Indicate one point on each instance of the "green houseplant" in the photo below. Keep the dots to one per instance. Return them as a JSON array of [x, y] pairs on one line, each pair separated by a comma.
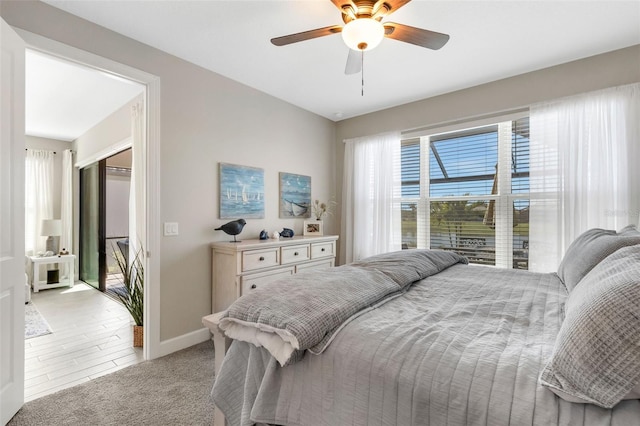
[[132, 297]]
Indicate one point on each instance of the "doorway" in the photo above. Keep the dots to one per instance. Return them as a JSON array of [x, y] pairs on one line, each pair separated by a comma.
[[16, 41], [148, 181], [90, 334], [117, 217]]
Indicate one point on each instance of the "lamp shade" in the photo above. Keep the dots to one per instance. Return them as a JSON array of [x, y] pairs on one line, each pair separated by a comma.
[[51, 228], [363, 34]]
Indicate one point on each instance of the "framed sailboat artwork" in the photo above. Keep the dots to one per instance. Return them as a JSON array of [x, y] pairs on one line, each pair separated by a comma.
[[295, 195], [241, 192]]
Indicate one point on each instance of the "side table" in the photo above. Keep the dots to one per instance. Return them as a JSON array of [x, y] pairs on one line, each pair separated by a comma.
[[36, 261]]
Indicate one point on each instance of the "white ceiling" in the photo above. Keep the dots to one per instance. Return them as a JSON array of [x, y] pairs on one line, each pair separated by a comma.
[[64, 100], [490, 40]]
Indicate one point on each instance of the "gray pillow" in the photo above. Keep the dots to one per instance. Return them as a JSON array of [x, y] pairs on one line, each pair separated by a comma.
[[596, 358], [629, 230], [589, 249], [407, 266]]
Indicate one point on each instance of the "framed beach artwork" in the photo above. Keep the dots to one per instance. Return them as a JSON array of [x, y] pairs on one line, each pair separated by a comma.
[[312, 227], [295, 195], [241, 192]]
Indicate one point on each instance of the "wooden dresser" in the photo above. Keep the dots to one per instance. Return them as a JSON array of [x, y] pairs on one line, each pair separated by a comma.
[[240, 267]]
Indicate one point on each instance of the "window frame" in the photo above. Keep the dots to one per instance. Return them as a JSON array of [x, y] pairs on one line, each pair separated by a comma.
[[504, 199]]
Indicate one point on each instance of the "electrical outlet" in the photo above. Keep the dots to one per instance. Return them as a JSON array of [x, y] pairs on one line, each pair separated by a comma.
[[170, 229]]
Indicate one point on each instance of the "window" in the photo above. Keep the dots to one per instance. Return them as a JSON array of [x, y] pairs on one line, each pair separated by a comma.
[[468, 191]]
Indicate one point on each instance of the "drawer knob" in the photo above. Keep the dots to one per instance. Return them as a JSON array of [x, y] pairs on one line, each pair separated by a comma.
[[253, 286], [295, 253], [261, 258], [322, 249]]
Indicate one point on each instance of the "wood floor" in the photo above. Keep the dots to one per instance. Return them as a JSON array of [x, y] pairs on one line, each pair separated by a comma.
[[91, 337]]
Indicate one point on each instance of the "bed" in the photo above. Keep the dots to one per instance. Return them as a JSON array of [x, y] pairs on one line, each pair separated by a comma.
[[420, 337]]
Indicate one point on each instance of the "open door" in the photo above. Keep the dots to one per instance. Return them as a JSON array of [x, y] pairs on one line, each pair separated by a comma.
[[12, 278], [92, 225]]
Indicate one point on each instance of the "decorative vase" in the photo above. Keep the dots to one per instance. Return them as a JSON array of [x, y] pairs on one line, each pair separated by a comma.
[[138, 336]]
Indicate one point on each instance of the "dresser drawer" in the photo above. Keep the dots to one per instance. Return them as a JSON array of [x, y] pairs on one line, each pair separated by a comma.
[[253, 281], [293, 254], [258, 259], [320, 250], [238, 268], [321, 264]]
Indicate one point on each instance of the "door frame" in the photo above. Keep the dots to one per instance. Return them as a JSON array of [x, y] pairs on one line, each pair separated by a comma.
[[150, 232]]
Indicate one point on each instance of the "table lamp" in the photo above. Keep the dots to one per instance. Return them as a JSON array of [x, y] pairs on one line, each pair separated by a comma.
[[52, 229]]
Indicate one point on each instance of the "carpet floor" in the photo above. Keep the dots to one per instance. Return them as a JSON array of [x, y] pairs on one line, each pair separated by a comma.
[[172, 390]]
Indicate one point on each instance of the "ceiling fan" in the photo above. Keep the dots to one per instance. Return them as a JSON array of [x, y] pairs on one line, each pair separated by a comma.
[[363, 29]]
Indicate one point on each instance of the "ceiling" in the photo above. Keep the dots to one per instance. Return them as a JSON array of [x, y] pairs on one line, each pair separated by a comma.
[[490, 40], [64, 100]]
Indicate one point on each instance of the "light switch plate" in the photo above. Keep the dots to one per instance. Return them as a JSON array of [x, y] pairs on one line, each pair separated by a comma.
[[170, 229]]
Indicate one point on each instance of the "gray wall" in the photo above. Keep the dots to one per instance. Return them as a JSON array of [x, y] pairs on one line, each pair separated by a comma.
[[597, 72], [113, 129], [205, 119]]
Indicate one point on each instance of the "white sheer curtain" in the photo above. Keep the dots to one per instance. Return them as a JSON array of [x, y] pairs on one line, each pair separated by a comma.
[[66, 205], [66, 201], [585, 169], [136, 192], [370, 195], [39, 166]]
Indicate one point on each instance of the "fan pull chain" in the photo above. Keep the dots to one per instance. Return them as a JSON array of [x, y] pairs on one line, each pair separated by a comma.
[[362, 73]]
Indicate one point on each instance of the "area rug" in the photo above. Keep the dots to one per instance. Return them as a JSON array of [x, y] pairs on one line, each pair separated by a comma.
[[34, 323]]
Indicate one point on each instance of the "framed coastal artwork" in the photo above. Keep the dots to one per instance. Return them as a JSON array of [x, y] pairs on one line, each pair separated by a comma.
[[295, 195], [241, 192]]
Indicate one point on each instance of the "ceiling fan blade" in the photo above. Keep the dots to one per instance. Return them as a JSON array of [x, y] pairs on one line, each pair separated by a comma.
[[384, 8], [306, 35], [417, 36], [354, 62]]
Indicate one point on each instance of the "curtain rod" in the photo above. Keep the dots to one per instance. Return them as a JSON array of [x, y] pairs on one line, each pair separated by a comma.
[[27, 149], [473, 121], [72, 151]]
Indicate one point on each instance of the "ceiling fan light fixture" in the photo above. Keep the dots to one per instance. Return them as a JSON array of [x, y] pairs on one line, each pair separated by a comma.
[[363, 34]]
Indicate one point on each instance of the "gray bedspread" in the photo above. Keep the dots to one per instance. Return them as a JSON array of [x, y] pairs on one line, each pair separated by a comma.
[[463, 347]]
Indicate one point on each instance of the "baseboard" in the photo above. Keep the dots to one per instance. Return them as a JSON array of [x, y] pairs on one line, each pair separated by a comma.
[[182, 342]]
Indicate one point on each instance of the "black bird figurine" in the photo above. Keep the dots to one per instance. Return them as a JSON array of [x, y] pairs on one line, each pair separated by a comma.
[[233, 228]]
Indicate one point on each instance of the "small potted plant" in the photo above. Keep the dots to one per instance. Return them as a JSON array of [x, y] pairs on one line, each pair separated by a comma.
[[132, 296]]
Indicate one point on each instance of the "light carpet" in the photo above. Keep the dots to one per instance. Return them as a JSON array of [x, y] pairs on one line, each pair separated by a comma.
[[34, 323], [172, 390]]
